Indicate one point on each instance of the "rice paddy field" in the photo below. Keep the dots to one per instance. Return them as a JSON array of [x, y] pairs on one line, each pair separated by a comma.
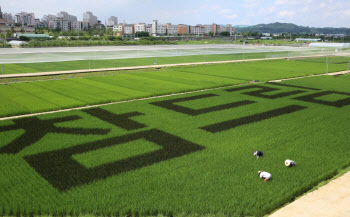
[[32, 96], [179, 155], [113, 63]]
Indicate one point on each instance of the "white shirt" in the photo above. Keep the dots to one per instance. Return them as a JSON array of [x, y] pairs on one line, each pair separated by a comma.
[[265, 175]]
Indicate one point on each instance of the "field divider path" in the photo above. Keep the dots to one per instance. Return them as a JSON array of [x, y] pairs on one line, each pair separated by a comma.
[[160, 96], [36, 74]]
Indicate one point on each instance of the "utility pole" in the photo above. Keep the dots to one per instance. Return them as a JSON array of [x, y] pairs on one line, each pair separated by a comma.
[[2, 66], [327, 65]]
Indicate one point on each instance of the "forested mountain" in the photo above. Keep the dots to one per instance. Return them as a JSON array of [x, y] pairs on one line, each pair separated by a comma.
[[292, 28]]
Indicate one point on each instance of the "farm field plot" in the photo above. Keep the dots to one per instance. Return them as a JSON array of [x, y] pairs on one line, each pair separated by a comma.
[[39, 96], [185, 154], [113, 63]]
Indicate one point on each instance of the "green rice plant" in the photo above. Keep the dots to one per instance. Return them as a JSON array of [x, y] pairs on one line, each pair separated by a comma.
[[50, 95], [154, 157]]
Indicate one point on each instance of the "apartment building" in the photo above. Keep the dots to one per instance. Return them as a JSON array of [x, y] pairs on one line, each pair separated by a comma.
[[158, 28], [61, 24], [112, 21], [227, 28], [183, 29], [8, 18], [129, 29], [118, 28], [89, 19], [50, 20], [149, 29], [172, 29], [141, 27], [65, 16], [77, 26], [25, 19]]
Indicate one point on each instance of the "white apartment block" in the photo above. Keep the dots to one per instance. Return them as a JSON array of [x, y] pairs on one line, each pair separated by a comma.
[[89, 18], [158, 28], [172, 29], [112, 21], [141, 27], [118, 28]]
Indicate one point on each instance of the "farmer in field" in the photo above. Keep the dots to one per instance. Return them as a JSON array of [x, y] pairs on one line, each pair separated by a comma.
[[290, 163], [258, 154], [264, 175]]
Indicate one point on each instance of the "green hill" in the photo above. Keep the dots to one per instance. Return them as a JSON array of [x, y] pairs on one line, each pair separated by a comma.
[[292, 28]]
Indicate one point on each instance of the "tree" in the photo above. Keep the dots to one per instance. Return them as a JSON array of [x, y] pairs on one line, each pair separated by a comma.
[[24, 38], [211, 34], [225, 34], [109, 31], [8, 34], [142, 34]]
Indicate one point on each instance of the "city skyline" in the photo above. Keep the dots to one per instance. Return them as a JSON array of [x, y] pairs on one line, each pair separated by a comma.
[[246, 12]]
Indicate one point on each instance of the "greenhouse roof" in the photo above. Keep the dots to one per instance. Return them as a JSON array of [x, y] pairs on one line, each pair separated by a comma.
[[34, 35]]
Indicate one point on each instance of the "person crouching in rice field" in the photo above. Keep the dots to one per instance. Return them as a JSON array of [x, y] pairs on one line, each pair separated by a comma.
[[264, 175], [290, 163], [258, 154]]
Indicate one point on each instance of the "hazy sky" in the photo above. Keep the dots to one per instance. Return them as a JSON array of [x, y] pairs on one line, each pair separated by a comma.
[[315, 13]]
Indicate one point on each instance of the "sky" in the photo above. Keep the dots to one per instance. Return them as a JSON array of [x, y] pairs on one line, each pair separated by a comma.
[[313, 13]]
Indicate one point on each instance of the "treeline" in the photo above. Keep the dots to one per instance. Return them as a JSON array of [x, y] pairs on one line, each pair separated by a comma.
[[292, 28]]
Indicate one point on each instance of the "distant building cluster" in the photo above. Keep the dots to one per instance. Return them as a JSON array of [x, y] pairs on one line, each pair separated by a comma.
[[64, 21], [156, 29]]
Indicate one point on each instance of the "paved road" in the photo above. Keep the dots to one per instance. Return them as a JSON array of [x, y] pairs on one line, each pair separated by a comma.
[[331, 200]]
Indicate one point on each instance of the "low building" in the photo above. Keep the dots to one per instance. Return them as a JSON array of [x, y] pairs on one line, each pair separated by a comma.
[[118, 28], [129, 29], [172, 29], [183, 29], [141, 27], [307, 39]]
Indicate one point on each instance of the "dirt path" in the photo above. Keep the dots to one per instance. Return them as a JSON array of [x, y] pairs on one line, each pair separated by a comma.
[[331, 200]]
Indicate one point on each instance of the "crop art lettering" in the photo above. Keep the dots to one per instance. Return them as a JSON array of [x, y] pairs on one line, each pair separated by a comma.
[[259, 93], [339, 103], [226, 125], [63, 173], [119, 120], [35, 129], [170, 105]]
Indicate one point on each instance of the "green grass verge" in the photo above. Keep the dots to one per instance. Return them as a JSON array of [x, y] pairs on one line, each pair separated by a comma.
[[70, 163]]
